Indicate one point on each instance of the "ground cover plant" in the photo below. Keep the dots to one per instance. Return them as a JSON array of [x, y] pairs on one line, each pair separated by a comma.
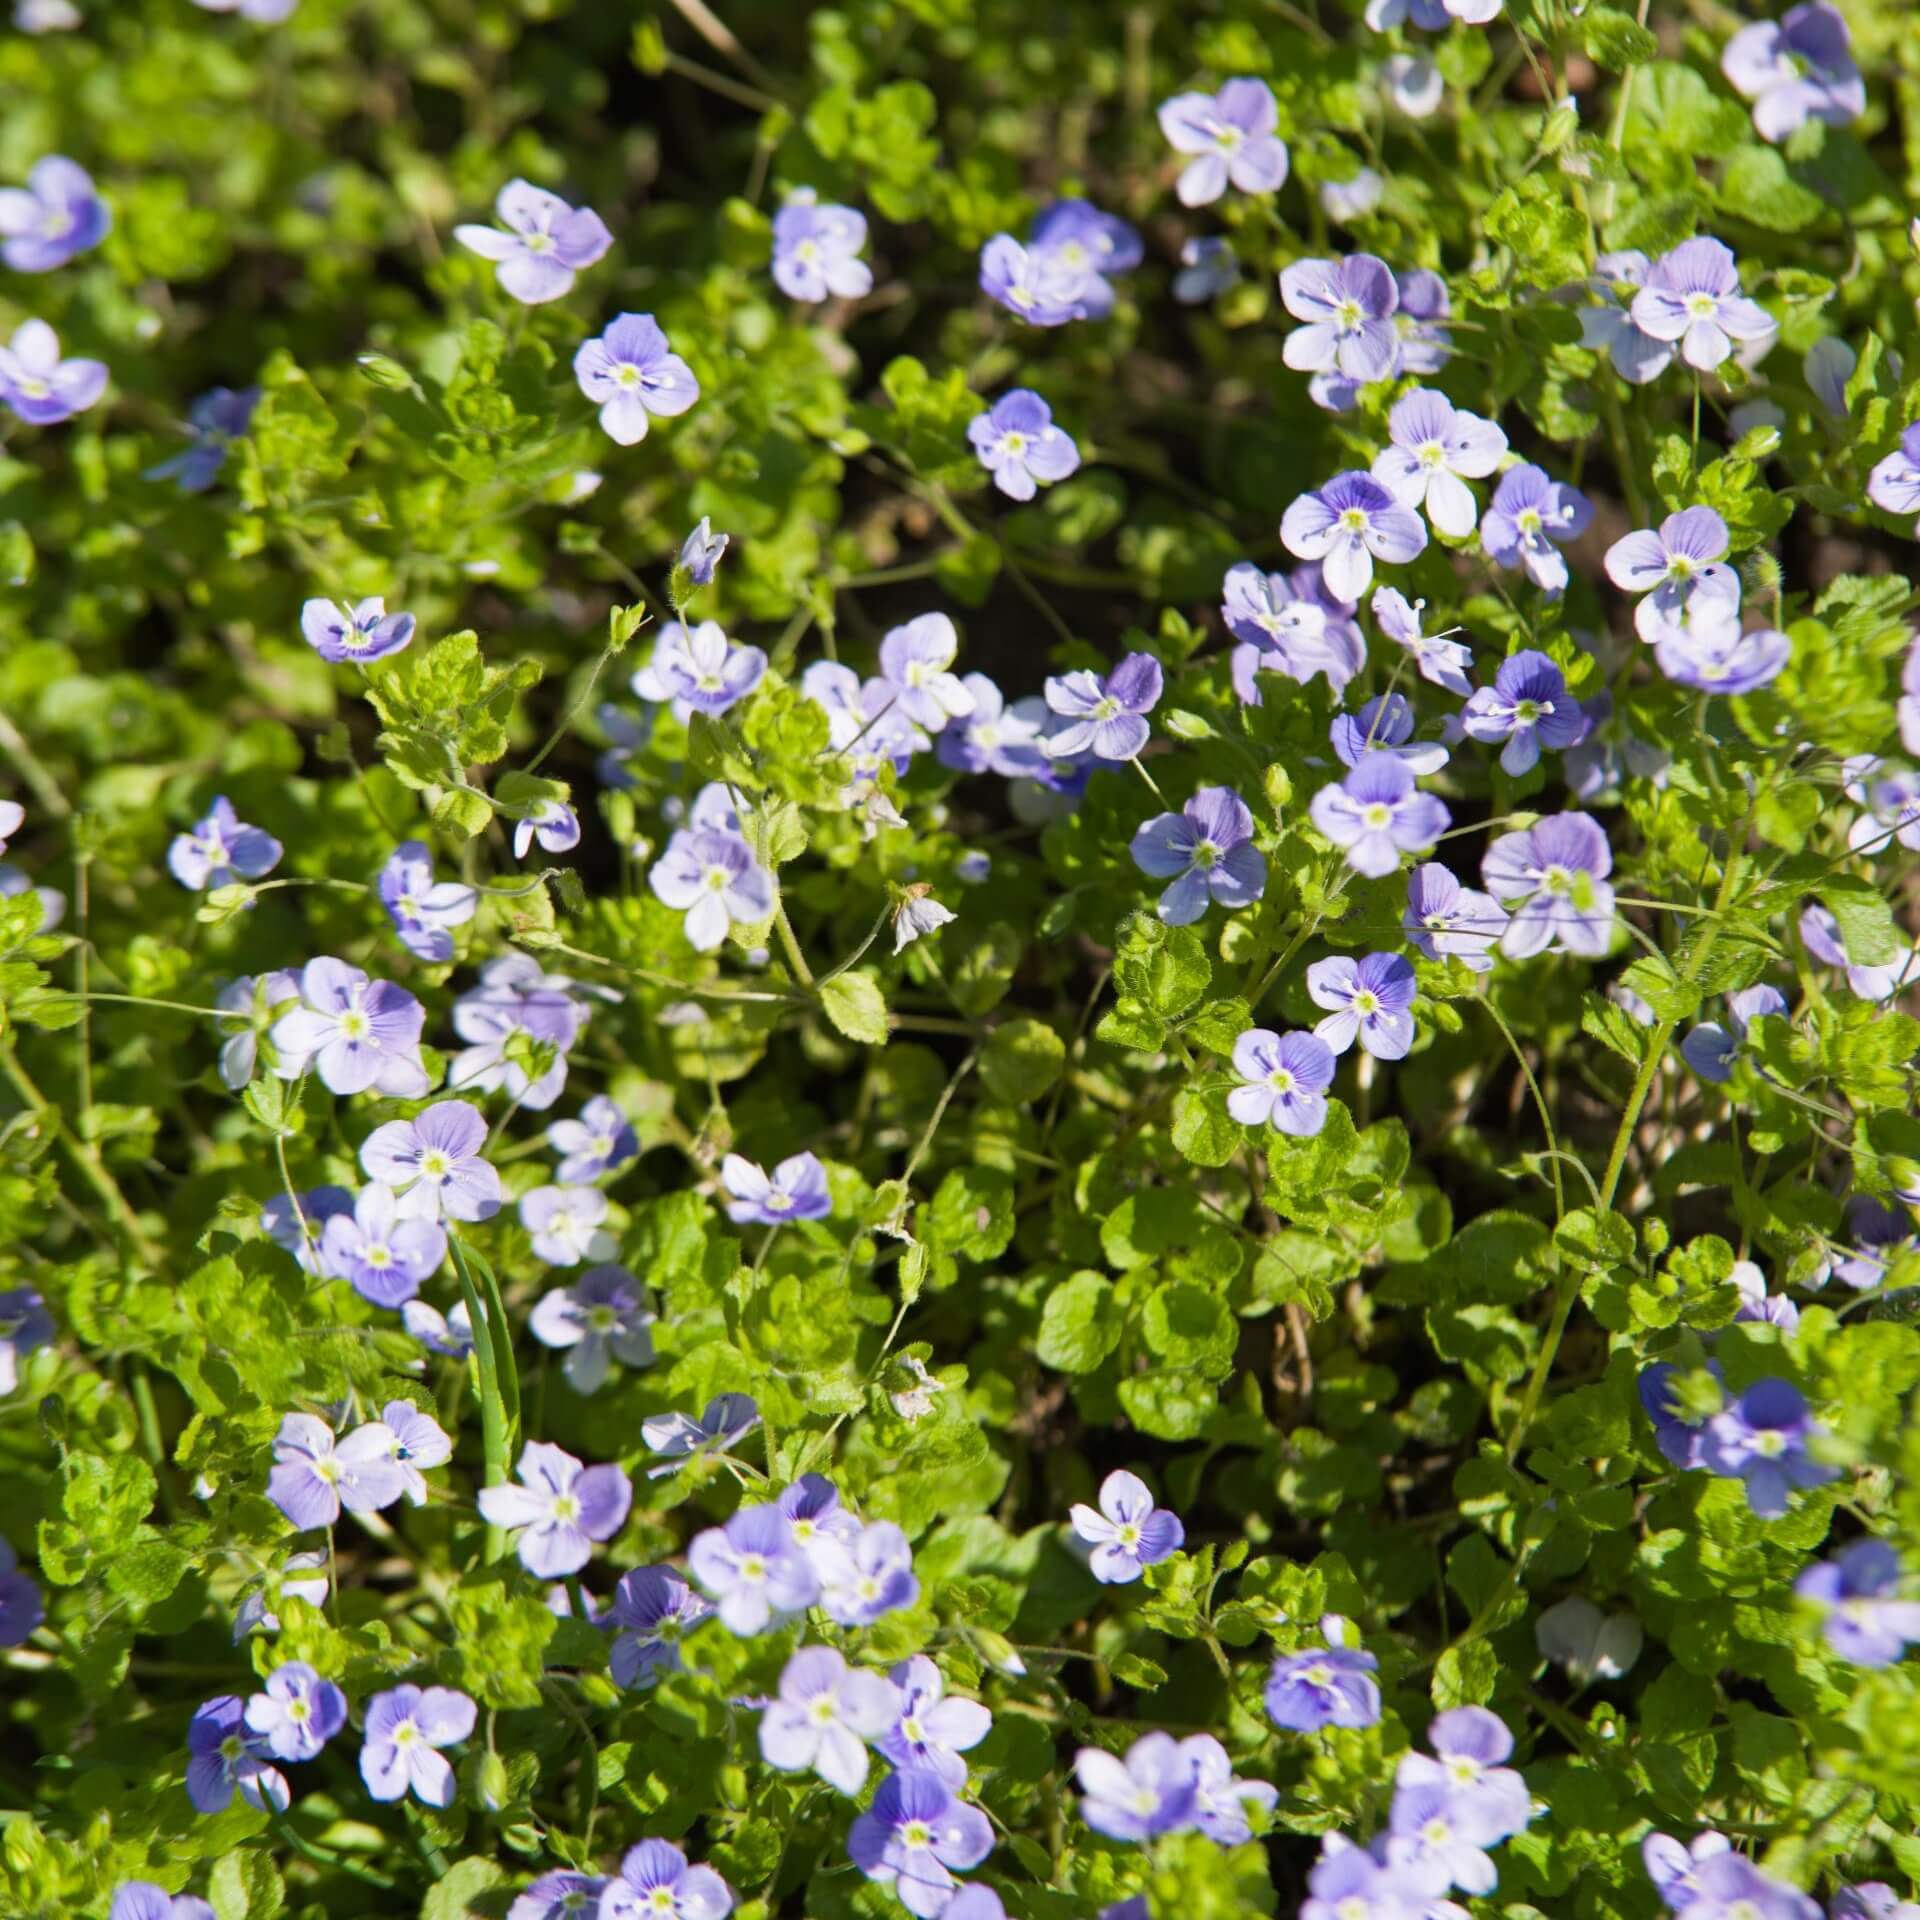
[[955, 959]]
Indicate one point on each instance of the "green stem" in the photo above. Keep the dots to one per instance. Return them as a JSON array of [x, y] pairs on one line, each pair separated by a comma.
[[493, 1412]]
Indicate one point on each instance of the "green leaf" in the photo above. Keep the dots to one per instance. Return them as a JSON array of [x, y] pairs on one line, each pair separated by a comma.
[[1866, 920], [1022, 1060], [1079, 1325], [854, 1003], [1614, 39]]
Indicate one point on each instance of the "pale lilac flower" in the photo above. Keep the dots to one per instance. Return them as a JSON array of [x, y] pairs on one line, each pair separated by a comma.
[[1610, 327], [1207, 851], [1324, 1687], [356, 1033], [1557, 870], [728, 1417], [1442, 661], [1682, 562], [218, 418], [652, 1610], [406, 1727], [824, 1529], [1528, 706], [816, 249], [25, 1325], [1350, 1883], [1149, 1792], [1348, 306], [1711, 653], [1414, 84], [1021, 447], [1756, 1304], [916, 912], [1106, 715], [132, 1899], [825, 1715], [13, 816], [1208, 266], [300, 1228], [552, 822], [567, 1224], [1346, 525], [1857, 1592], [222, 1757], [1871, 1900], [1368, 1000], [915, 1837], [1693, 298], [1425, 305], [1762, 1439], [222, 850], [632, 375], [1444, 919], [930, 1731], [546, 243], [1283, 1081], [21, 1606], [1674, 1869], [450, 1334], [1231, 136], [1821, 932], [993, 737], [1530, 519], [1428, 1846], [796, 1190], [1879, 1235], [434, 1161], [1295, 620], [1435, 450], [1889, 802], [603, 1316], [655, 1883], [1894, 484], [1436, 16], [1795, 69], [559, 1509], [600, 1140], [1591, 1645], [55, 217], [1074, 236], [699, 669], [298, 1713], [1710, 1048], [424, 910], [560, 1895], [1485, 1800], [365, 631], [419, 1442], [251, 1001], [1220, 1801], [714, 878], [264, 13], [1385, 725], [754, 1570], [1034, 284], [41, 387], [916, 661], [313, 1478], [701, 553], [1731, 1887], [1129, 1533], [1376, 814], [380, 1252]]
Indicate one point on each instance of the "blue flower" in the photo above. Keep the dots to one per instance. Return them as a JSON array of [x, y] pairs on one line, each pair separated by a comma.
[[1530, 519], [1762, 1439], [546, 242], [1129, 1533], [1864, 1618], [1376, 814], [1368, 1000], [221, 850], [603, 1316], [1795, 69], [796, 1190], [656, 1883], [383, 1256], [218, 418], [552, 822], [558, 1509], [1207, 851], [1556, 871], [824, 1716], [1231, 136], [1149, 1792], [600, 1140], [1528, 706], [1327, 1687], [1710, 1048], [57, 215], [21, 1607], [25, 1325], [754, 1570], [915, 1836], [423, 910], [652, 1609], [816, 248], [714, 879], [728, 1417], [363, 632], [1106, 716], [1346, 525], [1348, 307], [38, 385], [1692, 299], [298, 1713], [406, 1728], [701, 552], [631, 374], [1284, 1079], [223, 1758], [142, 1899], [1020, 446]]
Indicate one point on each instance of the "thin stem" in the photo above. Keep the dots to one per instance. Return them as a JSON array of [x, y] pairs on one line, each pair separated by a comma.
[[795, 958], [1540, 1106]]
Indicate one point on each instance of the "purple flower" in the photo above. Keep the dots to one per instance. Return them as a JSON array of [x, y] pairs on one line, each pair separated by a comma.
[[930, 1731], [728, 1417], [651, 1611], [1105, 716], [1762, 1438], [824, 1717], [753, 1568], [1346, 525], [1385, 725], [298, 1713], [1445, 919], [1610, 328], [1756, 1304], [1484, 1800], [263, 13], [313, 1478], [701, 551], [816, 250], [655, 1883], [1528, 706], [38, 385], [1821, 933], [1879, 1235], [1796, 69], [1442, 661], [1376, 814], [1323, 1687], [406, 1727], [1856, 1591], [715, 879], [422, 909], [1557, 870], [600, 1140], [796, 1190], [560, 1895], [1368, 1000], [1074, 238], [867, 1577], [21, 1607], [1348, 307], [1710, 1048], [1208, 266], [56, 216], [824, 1529], [1678, 1431], [1871, 1900], [25, 1325], [516, 998], [1715, 656], [1674, 1869], [1890, 803], [1220, 1801], [1435, 450], [142, 1899], [1729, 1887], [1684, 560], [419, 1442], [222, 850], [559, 1509], [603, 1316], [1295, 621], [699, 669], [546, 244], [1530, 518], [916, 661], [1021, 447], [565, 1223], [633, 376], [449, 1335], [1692, 297], [1149, 1792], [552, 822], [1349, 1883], [222, 1757], [1283, 1081], [1034, 284], [434, 1161], [1129, 1533], [1427, 1846], [380, 1252], [1231, 136], [1350, 200], [365, 631], [1207, 851], [993, 737], [356, 1033], [1436, 16], [915, 1837], [300, 1228], [218, 418], [1895, 483]]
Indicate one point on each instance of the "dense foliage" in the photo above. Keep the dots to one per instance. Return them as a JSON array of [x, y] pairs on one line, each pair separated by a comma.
[[952, 959]]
